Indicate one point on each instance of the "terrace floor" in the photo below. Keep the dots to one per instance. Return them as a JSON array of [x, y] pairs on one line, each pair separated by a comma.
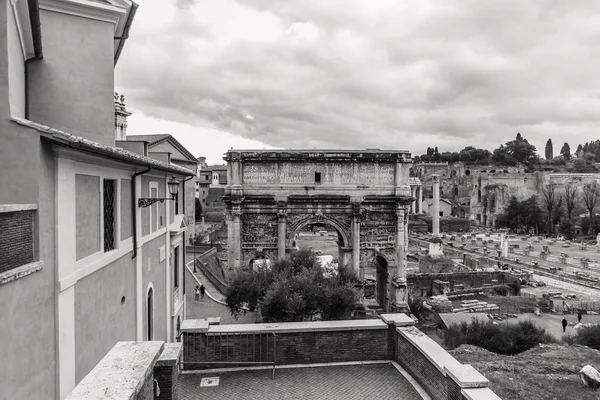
[[348, 382]]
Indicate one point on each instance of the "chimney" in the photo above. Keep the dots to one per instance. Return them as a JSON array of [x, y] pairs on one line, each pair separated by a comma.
[[121, 115]]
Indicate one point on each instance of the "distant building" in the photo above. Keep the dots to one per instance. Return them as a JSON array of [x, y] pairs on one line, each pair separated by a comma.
[[166, 147], [85, 260], [219, 176]]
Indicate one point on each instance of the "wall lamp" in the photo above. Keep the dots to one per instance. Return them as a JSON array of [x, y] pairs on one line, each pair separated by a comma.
[[173, 190]]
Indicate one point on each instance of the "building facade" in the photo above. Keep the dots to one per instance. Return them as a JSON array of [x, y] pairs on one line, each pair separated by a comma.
[[167, 148], [84, 263]]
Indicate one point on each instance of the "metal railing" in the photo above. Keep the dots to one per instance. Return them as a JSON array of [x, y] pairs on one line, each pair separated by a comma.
[[229, 349]]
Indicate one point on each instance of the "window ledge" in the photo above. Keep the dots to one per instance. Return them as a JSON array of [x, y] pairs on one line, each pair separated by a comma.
[[20, 272], [6, 208]]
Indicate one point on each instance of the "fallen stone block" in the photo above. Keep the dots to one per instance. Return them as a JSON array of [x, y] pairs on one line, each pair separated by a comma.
[[590, 377]]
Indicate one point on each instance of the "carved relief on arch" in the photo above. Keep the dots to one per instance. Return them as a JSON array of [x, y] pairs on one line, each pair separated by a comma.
[[259, 228], [342, 221], [378, 229]]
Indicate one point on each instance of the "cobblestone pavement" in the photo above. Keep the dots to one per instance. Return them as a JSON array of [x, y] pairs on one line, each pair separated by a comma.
[[376, 381]]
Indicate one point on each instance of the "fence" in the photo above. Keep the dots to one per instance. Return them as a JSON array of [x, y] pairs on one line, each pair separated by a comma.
[[216, 350]]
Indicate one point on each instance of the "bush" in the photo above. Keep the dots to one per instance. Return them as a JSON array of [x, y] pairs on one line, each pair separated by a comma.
[[515, 287], [502, 290], [508, 339], [589, 336], [295, 289]]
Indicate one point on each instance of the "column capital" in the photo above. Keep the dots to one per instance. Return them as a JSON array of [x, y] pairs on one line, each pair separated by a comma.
[[282, 214]]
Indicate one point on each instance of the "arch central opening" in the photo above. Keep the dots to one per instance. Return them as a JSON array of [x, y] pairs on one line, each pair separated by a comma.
[[325, 240]]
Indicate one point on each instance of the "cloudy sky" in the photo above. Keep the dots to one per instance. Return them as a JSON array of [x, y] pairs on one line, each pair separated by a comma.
[[386, 74]]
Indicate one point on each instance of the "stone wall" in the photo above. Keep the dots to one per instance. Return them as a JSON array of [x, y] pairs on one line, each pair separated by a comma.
[[392, 338], [286, 343], [422, 284], [448, 224], [440, 374]]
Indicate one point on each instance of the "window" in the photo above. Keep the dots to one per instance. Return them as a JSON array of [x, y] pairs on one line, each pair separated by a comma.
[[153, 208], [176, 267], [150, 315], [16, 239], [317, 177], [176, 203], [108, 196]]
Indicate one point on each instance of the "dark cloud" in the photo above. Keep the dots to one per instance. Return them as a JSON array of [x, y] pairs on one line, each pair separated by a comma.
[[358, 73]]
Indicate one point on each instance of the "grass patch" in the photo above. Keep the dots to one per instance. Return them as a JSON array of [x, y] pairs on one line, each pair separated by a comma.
[[542, 373]]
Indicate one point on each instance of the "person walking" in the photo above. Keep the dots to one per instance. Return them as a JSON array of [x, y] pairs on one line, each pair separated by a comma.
[[579, 316], [202, 290], [564, 324], [197, 291]]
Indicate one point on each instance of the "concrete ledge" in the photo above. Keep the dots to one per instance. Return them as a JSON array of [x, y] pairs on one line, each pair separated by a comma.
[[121, 374], [292, 327], [479, 394], [20, 272], [398, 319], [170, 354], [194, 325], [6, 208], [435, 353], [466, 376]]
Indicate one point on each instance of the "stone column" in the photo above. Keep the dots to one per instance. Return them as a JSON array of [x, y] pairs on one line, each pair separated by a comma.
[[413, 204], [236, 251], [399, 278], [435, 213], [400, 242], [281, 242], [356, 266], [421, 199]]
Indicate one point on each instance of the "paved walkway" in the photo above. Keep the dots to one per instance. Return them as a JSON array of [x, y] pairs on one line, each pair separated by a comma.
[[207, 307], [375, 381]]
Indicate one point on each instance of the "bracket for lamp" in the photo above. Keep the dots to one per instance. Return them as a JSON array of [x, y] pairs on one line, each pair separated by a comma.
[[147, 202]]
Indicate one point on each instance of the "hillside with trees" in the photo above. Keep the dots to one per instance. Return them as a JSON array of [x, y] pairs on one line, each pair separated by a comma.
[[520, 152]]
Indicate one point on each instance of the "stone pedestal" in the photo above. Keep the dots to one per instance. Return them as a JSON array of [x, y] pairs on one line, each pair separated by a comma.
[[400, 295], [436, 249]]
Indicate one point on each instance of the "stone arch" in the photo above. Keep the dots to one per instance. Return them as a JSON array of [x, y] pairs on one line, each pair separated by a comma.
[[342, 232], [253, 255]]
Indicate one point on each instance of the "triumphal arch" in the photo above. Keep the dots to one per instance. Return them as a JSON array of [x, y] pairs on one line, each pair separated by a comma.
[[364, 194]]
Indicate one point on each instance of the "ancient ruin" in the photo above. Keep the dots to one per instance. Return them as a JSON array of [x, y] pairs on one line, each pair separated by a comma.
[[364, 194]]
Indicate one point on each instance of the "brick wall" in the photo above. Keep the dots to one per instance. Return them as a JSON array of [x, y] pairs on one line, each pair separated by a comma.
[[289, 348], [418, 365], [167, 378], [147, 390], [16, 239]]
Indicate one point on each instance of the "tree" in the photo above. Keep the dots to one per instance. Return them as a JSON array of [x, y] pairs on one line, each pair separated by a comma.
[[579, 151], [591, 199], [295, 289], [549, 151], [515, 151], [551, 200], [198, 210], [570, 199], [565, 151], [521, 216], [566, 228]]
